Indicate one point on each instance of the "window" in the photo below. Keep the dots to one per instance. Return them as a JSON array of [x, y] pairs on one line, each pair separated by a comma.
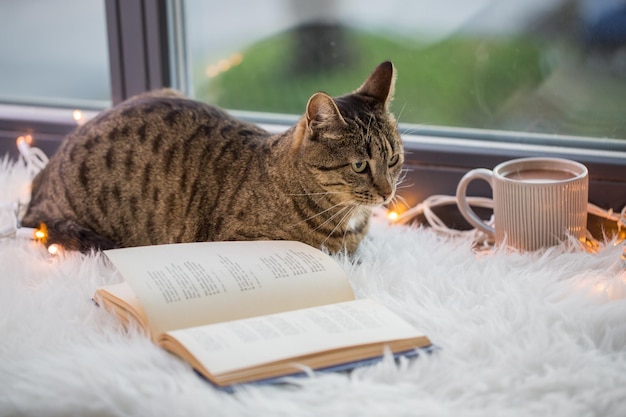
[[479, 81], [54, 53], [53, 60], [552, 67]]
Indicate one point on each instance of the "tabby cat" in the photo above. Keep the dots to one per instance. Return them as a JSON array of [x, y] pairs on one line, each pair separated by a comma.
[[160, 168]]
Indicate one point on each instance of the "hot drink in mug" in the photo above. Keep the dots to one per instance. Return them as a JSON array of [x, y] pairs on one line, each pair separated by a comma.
[[538, 202]]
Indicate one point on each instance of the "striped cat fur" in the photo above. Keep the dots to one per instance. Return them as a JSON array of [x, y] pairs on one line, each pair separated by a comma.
[[161, 168]]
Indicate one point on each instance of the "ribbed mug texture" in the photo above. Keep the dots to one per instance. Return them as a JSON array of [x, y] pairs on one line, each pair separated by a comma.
[[530, 216]]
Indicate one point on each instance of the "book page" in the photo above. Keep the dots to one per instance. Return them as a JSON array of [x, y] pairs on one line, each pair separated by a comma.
[[190, 284], [236, 345], [122, 300]]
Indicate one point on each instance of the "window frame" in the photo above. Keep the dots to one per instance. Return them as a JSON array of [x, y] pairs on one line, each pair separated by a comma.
[[146, 51]]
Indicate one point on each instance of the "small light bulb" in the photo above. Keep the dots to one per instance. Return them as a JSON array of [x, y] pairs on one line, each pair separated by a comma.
[[393, 215], [23, 145], [26, 139], [78, 116], [41, 233], [53, 249]]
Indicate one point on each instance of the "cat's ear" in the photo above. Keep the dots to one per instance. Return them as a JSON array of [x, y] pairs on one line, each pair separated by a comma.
[[320, 109], [380, 84]]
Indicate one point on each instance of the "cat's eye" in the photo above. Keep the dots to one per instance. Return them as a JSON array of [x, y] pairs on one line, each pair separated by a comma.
[[359, 166], [394, 160]]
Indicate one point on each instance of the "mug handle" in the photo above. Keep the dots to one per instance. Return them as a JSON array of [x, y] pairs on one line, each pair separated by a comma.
[[461, 198]]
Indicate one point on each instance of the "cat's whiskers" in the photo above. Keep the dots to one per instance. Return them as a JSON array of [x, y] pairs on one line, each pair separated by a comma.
[[402, 176], [398, 198], [318, 214], [399, 114], [400, 184], [350, 210], [320, 193], [347, 229], [332, 217], [405, 185]]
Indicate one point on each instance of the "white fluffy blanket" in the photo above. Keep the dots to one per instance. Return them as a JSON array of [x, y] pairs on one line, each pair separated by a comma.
[[536, 334]]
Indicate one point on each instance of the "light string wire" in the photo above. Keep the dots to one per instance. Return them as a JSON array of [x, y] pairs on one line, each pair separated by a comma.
[[426, 207], [35, 160], [480, 238]]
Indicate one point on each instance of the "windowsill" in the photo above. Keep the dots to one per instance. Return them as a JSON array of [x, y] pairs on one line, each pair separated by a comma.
[[436, 158], [43, 115]]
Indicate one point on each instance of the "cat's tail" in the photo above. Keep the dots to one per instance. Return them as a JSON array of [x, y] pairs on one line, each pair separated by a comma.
[[72, 236]]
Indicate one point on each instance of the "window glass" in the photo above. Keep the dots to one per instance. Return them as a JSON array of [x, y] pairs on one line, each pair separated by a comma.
[[548, 66], [54, 53]]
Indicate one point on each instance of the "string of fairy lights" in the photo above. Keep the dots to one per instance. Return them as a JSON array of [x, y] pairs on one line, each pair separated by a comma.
[[35, 160], [11, 212]]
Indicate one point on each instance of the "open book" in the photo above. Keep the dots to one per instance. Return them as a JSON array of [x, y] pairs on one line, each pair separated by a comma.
[[247, 311]]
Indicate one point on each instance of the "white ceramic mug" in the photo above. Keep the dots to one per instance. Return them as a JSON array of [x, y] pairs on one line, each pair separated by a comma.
[[537, 202]]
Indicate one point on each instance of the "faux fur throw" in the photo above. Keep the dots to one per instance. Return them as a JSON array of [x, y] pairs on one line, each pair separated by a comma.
[[521, 334]]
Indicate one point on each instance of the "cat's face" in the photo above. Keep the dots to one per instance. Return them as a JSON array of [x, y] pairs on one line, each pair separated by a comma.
[[360, 159], [352, 145]]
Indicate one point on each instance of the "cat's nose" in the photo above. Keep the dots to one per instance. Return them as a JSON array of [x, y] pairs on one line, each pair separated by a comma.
[[385, 191], [385, 197]]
